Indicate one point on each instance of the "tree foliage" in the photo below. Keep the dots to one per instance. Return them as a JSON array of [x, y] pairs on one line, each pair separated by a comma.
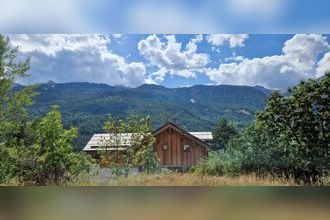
[[34, 151], [15, 126], [222, 134], [289, 138], [139, 144], [56, 160], [300, 124]]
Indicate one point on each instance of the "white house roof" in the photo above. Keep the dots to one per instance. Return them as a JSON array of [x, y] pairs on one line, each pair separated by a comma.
[[203, 135], [121, 141]]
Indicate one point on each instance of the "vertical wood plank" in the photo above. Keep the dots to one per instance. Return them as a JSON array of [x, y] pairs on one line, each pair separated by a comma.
[[181, 150], [175, 155], [174, 152], [178, 149], [170, 147]]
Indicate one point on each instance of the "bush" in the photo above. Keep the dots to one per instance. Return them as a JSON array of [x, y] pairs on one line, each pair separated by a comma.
[[289, 138], [218, 164], [325, 181]]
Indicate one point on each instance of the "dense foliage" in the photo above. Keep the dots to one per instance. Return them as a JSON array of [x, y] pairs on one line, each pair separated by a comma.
[[37, 151], [56, 161], [223, 132], [87, 105], [289, 138], [140, 145], [14, 125]]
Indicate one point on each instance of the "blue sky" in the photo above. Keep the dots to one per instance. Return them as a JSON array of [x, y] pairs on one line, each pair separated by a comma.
[[275, 61], [164, 16]]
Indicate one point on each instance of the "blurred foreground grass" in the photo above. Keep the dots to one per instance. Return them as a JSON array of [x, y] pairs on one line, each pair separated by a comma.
[[144, 203]]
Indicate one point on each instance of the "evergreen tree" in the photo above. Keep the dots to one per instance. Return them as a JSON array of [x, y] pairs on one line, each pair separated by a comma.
[[222, 134], [15, 135]]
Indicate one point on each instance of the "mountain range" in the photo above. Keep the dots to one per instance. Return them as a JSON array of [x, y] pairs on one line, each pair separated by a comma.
[[195, 108]]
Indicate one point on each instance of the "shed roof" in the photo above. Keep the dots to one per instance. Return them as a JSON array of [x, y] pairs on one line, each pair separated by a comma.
[[121, 141], [203, 135]]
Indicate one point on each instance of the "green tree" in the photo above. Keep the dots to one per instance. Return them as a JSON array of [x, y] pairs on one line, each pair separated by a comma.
[[15, 126], [222, 134], [291, 136], [302, 122], [57, 163], [139, 143]]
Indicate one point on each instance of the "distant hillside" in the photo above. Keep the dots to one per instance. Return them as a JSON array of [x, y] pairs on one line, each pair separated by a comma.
[[86, 105], [264, 90]]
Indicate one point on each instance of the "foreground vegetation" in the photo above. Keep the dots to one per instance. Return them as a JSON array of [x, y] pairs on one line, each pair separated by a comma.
[[290, 138], [32, 151], [186, 179]]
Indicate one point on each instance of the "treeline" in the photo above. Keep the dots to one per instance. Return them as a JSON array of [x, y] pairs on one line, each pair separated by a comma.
[[289, 138], [32, 152]]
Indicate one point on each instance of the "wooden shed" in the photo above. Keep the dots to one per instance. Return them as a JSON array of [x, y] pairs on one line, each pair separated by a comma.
[[175, 147]]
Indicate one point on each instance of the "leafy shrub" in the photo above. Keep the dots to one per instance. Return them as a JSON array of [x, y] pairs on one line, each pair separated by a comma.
[[218, 164], [325, 180], [289, 138]]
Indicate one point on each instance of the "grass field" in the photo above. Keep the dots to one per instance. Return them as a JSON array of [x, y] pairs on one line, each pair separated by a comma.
[[186, 179]]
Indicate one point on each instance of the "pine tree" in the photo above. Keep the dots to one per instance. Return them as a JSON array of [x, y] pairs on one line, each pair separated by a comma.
[[222, 134]]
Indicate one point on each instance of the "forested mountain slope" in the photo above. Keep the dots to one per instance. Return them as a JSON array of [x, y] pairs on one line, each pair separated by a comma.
[[86, 105]]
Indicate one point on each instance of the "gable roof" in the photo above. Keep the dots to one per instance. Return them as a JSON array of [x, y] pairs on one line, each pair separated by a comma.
[[203, 135], [180, 130], [121, 141]]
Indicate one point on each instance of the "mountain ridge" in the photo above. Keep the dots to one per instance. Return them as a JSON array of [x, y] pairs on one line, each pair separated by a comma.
[[199, 107]]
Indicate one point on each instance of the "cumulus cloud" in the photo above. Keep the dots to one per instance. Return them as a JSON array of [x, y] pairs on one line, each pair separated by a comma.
[[234, 40], [297, 62], [51, 45], [67, 58], [234, 59], [323, 65], [170, 58]]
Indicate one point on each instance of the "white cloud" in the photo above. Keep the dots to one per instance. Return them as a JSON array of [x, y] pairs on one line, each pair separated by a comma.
[[304, 48], [67, 58], [323, 65], [117, 35], [170, 58], [234, 40], [51, 45], [298, 62], [234, 59]]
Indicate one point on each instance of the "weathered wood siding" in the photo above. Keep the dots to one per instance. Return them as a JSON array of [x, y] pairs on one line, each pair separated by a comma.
[[175, 156]]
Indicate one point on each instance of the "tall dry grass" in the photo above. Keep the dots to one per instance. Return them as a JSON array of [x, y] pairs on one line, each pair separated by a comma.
[[190, 179]]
